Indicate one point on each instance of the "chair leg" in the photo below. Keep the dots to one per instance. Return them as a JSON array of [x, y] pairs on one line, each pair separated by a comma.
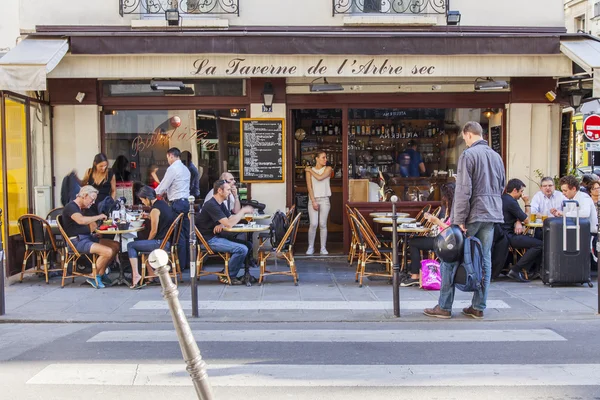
[[143, 266], [227, 269], [25, 257], [45, 263]]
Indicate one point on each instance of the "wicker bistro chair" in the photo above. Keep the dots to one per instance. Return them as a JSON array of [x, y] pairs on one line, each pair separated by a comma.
[[175, 267], [55, 212], [380, 240], [204, 251], [172, 254], [286, 249], [354, 242], [39, 242], [370, 253], [421, 215], [71, 255]]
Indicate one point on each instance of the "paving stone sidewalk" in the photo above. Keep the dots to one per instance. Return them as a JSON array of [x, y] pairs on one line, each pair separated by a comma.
[[326, 292]]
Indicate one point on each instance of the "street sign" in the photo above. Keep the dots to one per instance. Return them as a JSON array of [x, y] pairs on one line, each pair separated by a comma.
[[591, 127], [592, 146]]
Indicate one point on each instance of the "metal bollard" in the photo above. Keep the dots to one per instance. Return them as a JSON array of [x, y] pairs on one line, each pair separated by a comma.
[[193, 250], [2, 292], [396, 267], [196, 367]]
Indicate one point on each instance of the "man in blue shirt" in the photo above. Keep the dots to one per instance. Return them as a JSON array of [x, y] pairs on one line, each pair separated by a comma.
[[411, 162]]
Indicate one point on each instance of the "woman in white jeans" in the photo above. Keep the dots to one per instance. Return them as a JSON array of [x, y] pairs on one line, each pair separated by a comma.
[[319, 191]]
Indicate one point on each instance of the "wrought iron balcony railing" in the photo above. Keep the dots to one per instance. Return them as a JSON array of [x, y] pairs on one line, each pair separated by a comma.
[[185, 7], [411, 7]]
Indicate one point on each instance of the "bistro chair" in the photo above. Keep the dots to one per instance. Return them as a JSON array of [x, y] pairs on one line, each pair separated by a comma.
[[176, 268], [55, 212], [354, 242], [379, 240], [204, 250], [370, 254], [421, 215], [286, 249], [172, 254], [71, 255], [39, 242]]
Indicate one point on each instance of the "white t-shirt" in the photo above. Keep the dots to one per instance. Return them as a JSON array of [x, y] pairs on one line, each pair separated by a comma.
[[321, 188], [587, 209]]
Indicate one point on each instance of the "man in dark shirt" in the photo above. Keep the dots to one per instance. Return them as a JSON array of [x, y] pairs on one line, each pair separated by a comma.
[[79, 227], [411, 162], [213, 218], [514, 218]]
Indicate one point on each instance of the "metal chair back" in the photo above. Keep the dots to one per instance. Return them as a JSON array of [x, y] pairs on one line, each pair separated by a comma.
[[55, 212], [36, 232]]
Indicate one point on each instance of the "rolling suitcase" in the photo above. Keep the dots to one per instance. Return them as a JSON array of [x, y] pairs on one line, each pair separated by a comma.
[[567, 250]]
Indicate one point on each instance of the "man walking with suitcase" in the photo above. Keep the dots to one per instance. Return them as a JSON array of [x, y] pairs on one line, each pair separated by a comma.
[[480, 180]]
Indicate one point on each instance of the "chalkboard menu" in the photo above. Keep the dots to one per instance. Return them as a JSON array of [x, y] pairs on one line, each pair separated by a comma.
[[565, 139], [262, 149], [496, 139]]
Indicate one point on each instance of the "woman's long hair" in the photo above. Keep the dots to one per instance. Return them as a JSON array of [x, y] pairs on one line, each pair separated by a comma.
[[98, 158], [447, 192]]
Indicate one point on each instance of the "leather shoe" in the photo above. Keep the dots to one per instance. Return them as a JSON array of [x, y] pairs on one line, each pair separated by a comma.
[[437, 312], [473, 313], [517, 276]]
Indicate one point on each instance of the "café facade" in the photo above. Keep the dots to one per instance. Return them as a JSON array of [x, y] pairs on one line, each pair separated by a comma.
[[359, 95]]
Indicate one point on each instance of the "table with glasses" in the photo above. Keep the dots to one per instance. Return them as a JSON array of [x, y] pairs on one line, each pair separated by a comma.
[[390, 220], [532, 226], [248, 230], [388, 214], [405, 231], [121, 280]]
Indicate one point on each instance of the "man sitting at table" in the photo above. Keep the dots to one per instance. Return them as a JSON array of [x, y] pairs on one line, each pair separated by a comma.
[[569, 185], [233, 201], [514, 218], [213, 218], [79, 230]]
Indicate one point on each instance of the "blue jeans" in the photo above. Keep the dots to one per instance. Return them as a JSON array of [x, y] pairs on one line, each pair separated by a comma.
[[183, 249], [238, 253], [143, 245], [484, 231]]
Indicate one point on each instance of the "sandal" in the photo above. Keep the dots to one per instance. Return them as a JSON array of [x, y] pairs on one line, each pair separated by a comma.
[[138, 285], [152, 282]]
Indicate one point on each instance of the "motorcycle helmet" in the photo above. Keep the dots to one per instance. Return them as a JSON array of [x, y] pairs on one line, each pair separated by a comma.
[[448, 245]]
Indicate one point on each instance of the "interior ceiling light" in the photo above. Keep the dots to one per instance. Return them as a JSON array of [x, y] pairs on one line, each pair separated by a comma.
[[490, 84], [325, 86]]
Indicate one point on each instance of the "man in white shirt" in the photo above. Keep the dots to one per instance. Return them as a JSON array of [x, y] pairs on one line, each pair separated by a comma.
[[233, 201], [176, 183], [547, 198], [570, 188]]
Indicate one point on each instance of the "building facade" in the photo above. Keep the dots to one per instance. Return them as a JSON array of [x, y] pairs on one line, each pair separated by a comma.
[[359, 79]]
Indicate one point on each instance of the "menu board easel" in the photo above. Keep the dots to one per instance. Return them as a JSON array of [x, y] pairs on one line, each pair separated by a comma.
[[262, 155]]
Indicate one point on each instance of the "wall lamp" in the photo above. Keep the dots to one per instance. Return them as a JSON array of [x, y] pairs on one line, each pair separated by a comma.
[[268, 95], [453, 18], [488, 113], [172, 16]]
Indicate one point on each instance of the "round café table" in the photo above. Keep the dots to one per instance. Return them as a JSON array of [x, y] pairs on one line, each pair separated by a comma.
[[387, 214], [405, 232], [121, 279], [389, 220], [248, 229], [257, 217], [532, 226]]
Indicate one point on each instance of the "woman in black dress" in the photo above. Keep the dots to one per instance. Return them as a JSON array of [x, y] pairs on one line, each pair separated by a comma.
[[102, 178]]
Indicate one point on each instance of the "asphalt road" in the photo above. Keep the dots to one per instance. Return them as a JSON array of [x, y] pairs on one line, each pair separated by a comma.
[[455, 359]]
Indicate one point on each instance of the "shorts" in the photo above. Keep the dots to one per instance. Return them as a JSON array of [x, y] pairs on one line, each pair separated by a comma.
[[84, 243]]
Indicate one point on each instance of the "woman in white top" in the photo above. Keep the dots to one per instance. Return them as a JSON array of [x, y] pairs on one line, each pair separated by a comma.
[[319, 191]]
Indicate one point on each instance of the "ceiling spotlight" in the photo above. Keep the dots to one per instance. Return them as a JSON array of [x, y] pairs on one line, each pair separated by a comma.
[[490, 84], [325, 86]]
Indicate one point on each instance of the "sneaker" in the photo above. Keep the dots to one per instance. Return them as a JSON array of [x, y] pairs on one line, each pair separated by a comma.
[[234, 281], [310, 251], [106, 280], [92, 282], [324, 251], [437, 312], [410, 282], [517, 276], [99, 283], [473, 313]]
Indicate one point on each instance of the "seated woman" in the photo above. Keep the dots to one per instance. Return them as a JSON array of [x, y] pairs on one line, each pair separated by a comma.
[[425, 243], [161, 218]]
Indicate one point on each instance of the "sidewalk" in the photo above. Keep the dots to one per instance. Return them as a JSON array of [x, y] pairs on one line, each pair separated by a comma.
[[326, 292]]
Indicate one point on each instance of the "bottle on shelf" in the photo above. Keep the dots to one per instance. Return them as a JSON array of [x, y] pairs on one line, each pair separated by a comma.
[[330, 128]]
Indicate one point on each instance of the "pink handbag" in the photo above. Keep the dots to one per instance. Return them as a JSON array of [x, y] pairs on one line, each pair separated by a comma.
[[431, 278]]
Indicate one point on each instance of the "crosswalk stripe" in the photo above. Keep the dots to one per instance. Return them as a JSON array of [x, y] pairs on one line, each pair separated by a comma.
[[306, 305], [281, 375], [333, 335]]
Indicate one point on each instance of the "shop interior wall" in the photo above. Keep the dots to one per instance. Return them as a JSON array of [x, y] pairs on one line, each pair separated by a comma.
[[76, 140]]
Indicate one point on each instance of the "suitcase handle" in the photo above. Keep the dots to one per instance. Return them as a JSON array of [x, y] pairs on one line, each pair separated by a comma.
[[576, 227]]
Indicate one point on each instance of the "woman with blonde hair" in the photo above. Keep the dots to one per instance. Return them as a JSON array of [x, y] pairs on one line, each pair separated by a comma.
[[319, 191]]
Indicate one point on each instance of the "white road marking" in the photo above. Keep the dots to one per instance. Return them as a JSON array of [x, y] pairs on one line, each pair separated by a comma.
[[306, 305], [332, 335], [278, 375]]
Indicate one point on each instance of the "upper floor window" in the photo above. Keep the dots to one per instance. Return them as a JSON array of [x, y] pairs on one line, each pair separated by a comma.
[[597, 9], [580, 24]]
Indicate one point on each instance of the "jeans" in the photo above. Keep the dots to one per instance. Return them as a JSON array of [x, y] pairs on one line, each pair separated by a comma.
[[484, 231], [143, 245], [183, 249], [318, 218], [238, 253]]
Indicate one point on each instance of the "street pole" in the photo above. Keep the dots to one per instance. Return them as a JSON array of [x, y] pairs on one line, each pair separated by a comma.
[[2, 294], [196, 367], [193, 249], [396, 267]]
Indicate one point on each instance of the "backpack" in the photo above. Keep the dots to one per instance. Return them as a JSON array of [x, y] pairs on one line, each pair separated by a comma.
[[467, 276], [69, 188], [279, 226]]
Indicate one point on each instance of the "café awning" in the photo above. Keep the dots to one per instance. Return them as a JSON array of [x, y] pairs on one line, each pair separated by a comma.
[[586, 54], [26, 66]]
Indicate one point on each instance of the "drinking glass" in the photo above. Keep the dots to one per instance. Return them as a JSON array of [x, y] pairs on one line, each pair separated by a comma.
[[544, 217], [533, 217]]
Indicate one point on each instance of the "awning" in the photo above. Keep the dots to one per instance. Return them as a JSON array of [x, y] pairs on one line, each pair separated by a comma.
[[25, 67], [586, 54]]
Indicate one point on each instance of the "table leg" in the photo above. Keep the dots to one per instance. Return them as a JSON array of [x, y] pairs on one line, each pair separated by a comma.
[[247, 278], [121, 280]]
